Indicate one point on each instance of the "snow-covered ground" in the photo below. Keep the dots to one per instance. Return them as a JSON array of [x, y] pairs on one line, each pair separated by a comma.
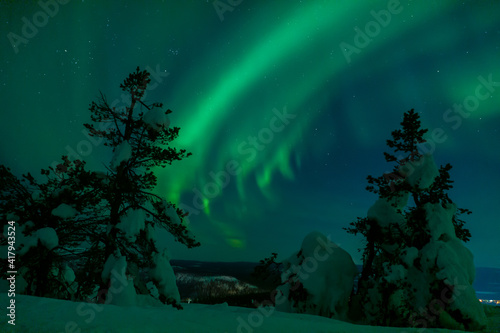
[[44, 315]]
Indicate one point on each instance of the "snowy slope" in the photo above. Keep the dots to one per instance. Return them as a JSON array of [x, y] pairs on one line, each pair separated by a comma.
[[34, 314]]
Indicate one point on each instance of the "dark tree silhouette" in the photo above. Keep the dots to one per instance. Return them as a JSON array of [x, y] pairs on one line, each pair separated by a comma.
[[28, 203], [141, 130], [389, 243], [115, 213], [268, 272]]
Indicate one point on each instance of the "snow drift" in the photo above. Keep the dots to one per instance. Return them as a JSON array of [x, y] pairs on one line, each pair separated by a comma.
[[318, 279]]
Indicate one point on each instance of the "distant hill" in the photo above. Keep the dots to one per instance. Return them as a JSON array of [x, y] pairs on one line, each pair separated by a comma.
[[219, 277], [240, 269], [190, 272]]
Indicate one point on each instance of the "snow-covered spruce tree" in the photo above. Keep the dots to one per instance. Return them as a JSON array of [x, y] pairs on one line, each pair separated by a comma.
[[50, 219], [318, 279], [139, 136], [416, 269]]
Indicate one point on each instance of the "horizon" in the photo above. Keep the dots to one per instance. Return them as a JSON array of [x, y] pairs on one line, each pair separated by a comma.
[[252, 262]]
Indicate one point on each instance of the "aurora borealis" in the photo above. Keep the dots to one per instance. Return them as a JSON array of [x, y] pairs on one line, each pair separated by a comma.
[[285, 105]]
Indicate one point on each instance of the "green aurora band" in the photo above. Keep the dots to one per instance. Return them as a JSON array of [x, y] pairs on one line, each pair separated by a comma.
[[228, 83]]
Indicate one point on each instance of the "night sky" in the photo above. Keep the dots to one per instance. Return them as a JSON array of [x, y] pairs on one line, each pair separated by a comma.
[[295, 98]]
